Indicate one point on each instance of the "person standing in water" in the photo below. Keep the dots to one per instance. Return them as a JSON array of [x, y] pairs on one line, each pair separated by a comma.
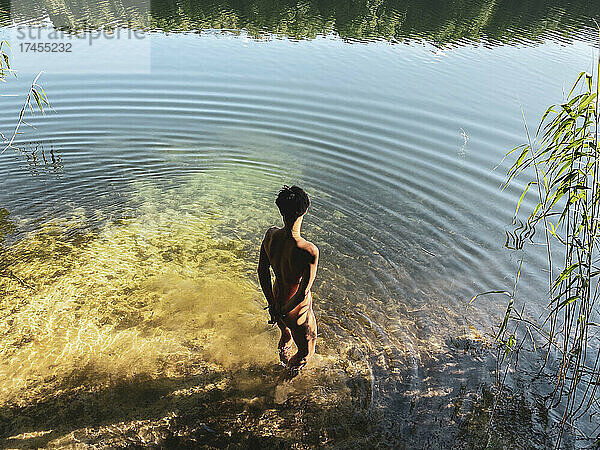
[[294, 261]]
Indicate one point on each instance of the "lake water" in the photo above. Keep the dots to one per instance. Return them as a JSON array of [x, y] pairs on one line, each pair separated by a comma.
[[131, 312]]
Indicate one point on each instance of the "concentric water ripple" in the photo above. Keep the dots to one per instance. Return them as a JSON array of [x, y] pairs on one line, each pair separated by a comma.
[[397, 155]]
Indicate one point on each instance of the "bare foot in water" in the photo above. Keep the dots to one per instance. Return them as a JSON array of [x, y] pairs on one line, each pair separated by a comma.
[[285, 353], [290, 372]]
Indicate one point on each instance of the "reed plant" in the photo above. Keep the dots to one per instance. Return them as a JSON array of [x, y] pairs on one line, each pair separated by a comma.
[[36, 99], [560, 167]]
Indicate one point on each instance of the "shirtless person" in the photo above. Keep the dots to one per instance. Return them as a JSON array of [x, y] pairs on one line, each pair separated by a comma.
[[294, 262]]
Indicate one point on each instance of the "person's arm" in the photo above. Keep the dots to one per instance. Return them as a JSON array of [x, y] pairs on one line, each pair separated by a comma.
[[264, 274], [264, 277], [308, 278]]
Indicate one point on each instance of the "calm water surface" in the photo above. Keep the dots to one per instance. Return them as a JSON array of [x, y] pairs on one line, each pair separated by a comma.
[[134, 230]]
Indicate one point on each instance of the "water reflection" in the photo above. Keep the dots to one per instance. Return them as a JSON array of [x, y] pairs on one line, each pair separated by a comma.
[[437, 21]]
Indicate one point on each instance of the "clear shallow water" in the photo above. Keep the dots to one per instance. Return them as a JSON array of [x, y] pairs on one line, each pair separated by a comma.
[[148, 217]]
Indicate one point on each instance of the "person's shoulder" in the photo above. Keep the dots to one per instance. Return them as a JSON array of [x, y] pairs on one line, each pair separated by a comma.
[[271, 230], [269, 233], [310, 248]]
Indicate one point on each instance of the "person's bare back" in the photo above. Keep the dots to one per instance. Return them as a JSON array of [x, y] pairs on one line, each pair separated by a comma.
[[294, 261]]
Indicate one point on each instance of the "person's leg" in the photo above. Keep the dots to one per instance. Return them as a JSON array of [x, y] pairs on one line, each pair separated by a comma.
[[305, 338], [285, 342]]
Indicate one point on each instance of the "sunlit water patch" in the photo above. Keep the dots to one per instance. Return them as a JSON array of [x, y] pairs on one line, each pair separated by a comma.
[[155, 319], [161, 299]]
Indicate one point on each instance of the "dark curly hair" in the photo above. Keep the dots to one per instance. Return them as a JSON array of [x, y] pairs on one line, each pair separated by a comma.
[[292, 202]]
